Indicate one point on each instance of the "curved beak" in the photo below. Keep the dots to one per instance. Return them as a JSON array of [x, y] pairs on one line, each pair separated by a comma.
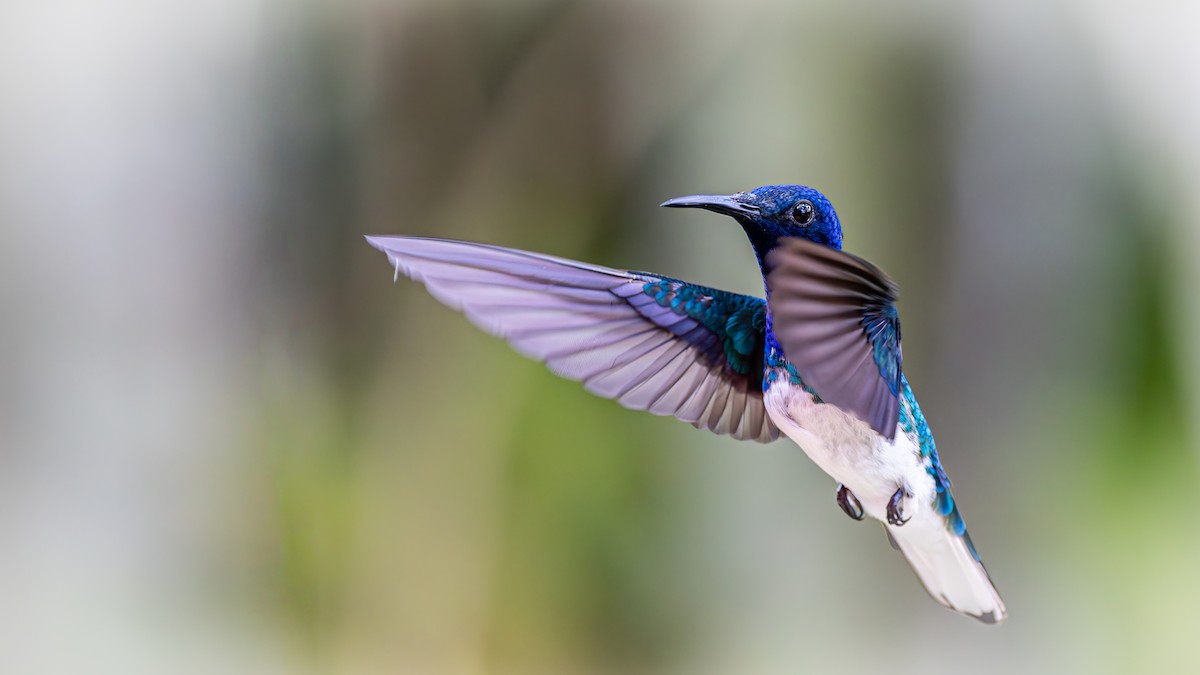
[[738, 205]]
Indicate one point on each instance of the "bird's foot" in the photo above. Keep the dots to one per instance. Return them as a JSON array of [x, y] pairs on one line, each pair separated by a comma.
[[849, 503], [895, 509]]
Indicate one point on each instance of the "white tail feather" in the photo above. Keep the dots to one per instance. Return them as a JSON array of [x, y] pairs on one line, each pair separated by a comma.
[[944, 563]]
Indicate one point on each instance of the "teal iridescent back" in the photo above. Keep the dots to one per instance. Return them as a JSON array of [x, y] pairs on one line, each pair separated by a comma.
[[738, 321]]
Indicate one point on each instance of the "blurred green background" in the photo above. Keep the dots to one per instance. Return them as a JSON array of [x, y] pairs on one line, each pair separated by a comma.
[[230, 444]]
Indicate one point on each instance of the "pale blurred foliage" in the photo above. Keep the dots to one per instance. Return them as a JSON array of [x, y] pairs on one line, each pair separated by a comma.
[[230, 444]]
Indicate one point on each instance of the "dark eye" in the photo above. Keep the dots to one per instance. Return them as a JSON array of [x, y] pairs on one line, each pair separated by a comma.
[[803, 212]]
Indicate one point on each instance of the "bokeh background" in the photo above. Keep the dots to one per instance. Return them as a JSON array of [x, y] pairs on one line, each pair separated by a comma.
[[230, 444]]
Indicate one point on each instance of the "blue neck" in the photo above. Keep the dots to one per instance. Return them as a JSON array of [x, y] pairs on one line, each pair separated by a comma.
[[765, 240], [762, 241]]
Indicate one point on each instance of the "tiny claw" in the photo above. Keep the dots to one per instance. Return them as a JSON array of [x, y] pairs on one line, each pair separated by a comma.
[[895, 509], [849, 503]]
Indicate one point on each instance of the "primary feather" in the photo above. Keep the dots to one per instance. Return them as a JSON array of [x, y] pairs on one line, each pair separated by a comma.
[[649, 342]]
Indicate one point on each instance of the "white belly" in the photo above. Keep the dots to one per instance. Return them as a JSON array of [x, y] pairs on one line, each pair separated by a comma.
[[847, 449]]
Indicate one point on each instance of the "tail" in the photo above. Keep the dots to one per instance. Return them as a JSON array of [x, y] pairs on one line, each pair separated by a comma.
[[948, 566]]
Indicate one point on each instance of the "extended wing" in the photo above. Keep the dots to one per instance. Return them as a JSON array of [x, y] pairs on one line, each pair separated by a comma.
[[649, 342], [834, 315]]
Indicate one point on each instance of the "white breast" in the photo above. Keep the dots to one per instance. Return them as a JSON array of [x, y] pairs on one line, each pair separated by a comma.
[[847, 449]]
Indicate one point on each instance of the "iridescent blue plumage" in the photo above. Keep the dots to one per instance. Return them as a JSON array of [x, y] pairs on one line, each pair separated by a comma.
[[738, 320], [818, 360], [882, 326], [773, 220]]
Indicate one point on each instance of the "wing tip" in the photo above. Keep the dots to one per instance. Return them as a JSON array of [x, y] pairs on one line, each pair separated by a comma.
[[377, 241]]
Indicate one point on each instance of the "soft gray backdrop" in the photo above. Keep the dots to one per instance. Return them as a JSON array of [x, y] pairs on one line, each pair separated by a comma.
[[229, 444]]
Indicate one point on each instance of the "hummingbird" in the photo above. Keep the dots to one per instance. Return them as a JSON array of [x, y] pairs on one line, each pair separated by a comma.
[[817, 360]]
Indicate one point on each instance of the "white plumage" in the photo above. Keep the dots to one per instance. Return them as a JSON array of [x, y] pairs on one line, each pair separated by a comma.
[[873, 468]]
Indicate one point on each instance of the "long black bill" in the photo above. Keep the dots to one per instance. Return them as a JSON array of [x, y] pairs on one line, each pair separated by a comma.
[[730, 205]]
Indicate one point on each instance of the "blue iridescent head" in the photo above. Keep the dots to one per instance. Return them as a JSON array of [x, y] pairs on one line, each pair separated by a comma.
[[772, 212]]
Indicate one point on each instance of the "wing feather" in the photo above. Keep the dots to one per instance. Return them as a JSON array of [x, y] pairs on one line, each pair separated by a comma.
[[649, 342], [834, 315]]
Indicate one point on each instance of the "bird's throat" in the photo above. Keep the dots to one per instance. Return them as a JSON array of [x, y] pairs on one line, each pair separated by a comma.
[[763, 242]]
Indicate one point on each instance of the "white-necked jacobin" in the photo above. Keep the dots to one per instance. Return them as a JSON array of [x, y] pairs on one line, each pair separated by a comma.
[[818, 360]]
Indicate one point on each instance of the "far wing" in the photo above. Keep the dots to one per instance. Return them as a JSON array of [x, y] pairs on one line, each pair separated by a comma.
[[834, 315], [649, 342]]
